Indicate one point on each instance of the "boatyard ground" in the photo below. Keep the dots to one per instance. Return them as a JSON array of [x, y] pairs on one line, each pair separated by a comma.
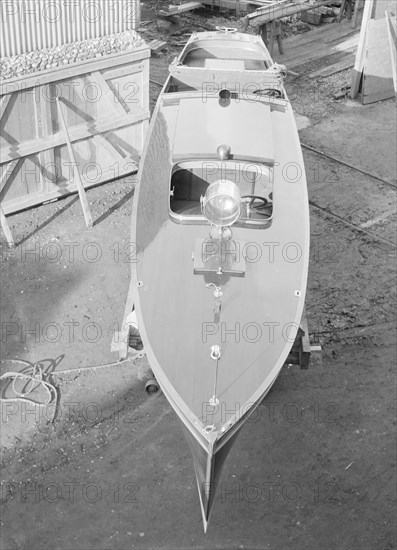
[[313, 469]]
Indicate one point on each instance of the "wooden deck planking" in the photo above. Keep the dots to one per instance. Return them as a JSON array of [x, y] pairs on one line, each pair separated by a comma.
[[331, 30], [346, 63], [323, 51], [339, 37]]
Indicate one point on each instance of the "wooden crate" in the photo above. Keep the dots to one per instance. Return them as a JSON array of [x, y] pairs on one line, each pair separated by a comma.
[[105, 102]]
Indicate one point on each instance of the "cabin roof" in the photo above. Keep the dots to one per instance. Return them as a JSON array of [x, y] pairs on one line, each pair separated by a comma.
[[202, 124]]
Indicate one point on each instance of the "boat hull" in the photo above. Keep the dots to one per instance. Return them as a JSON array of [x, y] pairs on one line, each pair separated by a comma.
[[181, 318]]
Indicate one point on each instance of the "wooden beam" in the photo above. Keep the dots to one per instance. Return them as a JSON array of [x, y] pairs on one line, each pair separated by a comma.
[[123, 70], [393, 45], [8, 170], [271, 13], [19, 204], [3, 104], [342, 65], [79, 183], [157, 45], [4, 223], [355, 13], [110, 97], [26, 82], [6, 229], [345, 6], [124, 335], [76, 133], [47, 156], [175, 10], [360, 56]]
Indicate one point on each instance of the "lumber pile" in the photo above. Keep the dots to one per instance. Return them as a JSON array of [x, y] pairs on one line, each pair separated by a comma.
[[176, 10], [374, 71], [266, 14], [157, 45]]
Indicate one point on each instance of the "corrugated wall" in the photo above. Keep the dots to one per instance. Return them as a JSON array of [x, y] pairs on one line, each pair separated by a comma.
[[27, 25]]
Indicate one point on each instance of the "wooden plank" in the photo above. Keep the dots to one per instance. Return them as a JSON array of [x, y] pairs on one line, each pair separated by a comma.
[[22, 203], [313, 40], [270, 13], [55, 75], [123, 70], [224, 4], [304, 356], [4, 223], [323, 51], [360, 56], [392, 45], [175, 10], [327, 46], [47, 156], [6, 229], [378, 72], [76, 173], [5, 99], [334, 30], [111, 148], [345, 6], [124, 334], [156, 45], [355, 13], [6, 173], [76, 133], [108, 95], [345, 63]]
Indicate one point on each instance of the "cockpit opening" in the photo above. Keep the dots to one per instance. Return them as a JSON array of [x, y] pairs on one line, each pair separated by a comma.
[[190, 180]]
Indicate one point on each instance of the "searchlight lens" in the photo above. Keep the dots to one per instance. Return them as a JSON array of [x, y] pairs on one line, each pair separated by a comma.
[[221, 203]]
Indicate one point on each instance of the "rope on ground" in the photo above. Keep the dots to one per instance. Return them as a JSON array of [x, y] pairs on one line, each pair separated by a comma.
[[91, 367], [36, 378], [33, 381]]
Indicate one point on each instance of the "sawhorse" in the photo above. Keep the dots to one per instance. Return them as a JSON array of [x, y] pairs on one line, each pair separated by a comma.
[[270, 32], [347, 5]]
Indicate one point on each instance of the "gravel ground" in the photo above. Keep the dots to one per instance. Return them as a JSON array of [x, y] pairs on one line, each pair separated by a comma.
[[60, 56]]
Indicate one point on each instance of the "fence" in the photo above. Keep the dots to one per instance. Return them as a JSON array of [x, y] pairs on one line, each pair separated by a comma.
[[27, 25]]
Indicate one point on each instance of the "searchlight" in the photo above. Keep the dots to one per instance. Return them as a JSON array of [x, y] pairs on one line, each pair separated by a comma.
[[221, 203]]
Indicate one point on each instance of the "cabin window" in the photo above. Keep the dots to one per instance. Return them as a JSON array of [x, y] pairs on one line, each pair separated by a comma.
[[189, 182]]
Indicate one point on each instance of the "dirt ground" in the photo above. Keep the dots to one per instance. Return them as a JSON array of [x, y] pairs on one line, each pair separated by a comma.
[[313, 469]]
